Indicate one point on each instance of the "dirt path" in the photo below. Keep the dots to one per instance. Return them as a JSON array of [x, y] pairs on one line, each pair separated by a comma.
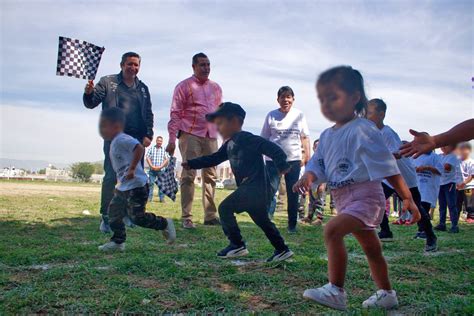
[[28, 188]]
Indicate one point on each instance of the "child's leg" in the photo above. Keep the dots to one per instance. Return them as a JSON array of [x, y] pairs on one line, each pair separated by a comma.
[[334, 232], [271, 231], [443, 204], [229, 224], [136, 208], [451, 201], [117, 211], [373, 250]]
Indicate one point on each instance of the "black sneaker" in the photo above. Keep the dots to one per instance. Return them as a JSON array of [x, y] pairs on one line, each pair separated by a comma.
[[454, 230], [431, 245], [385, 236], [420, 235], [292, 230], [440, 227], [233, 251], [213, 222], [280, 255]]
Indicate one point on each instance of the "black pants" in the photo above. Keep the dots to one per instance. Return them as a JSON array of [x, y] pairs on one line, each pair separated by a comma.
[[132, 203], [465, 200], [424, 224], [251, 200]]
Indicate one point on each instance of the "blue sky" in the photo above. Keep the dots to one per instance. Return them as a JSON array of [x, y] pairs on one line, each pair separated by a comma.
[[416, 55]]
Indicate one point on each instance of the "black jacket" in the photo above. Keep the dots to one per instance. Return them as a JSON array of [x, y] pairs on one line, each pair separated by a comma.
[[244, 152], [105, 93]]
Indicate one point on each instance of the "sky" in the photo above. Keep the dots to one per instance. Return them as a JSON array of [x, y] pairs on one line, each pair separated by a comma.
[[416, 55]]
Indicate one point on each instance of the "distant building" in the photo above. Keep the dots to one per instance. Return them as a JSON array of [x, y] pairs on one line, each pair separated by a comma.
[[55, 174]]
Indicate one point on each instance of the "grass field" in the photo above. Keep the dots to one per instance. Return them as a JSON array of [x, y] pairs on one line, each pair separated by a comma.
[[49, 263]]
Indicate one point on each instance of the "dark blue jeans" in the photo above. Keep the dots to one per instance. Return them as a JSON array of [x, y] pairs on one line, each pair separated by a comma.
[[153, 176], [290, 179], [447, 199]]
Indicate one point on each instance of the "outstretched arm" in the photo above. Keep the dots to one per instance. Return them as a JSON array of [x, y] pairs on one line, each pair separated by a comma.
[[207, 161], [269, 149]]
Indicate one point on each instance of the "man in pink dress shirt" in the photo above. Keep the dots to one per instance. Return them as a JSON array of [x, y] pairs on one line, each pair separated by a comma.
[[193, 98]]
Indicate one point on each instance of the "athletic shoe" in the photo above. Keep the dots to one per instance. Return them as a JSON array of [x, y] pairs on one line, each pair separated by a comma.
[[213, 222], [128, 222], [454, 230], [292, 230], [420, 235], [188, 224], [112, 246], [232, 251], [104, 226], [440, 227], [280, 255], [385, 236], [328, 295], [431, 245], [470, 220], [169, 232], [382, 299]]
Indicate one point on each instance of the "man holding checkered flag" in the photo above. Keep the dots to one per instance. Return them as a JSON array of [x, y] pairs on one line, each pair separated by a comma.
[[125, 91]]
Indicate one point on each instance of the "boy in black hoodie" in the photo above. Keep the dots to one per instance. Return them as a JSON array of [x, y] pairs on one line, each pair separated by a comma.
[[254, 193]]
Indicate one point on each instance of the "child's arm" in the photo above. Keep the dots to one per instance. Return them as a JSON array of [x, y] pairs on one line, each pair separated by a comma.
[[207, 161], [138, 152], [269, 149], [404, 193]]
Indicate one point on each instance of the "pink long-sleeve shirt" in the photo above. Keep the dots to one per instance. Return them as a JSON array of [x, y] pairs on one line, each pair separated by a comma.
[[192, 100]]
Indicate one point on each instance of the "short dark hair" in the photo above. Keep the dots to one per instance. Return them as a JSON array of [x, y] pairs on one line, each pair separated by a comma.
[[113, 115], [465, 145], [129, 54], [159, 137], [380, 105], [316, 141], [285, 90], [197, 56], [348, 80]]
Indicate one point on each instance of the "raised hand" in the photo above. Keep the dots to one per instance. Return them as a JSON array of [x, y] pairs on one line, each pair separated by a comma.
[[89, 87], [421, 144]]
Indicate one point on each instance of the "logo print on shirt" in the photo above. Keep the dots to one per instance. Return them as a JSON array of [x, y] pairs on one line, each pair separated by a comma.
[[344, 166]]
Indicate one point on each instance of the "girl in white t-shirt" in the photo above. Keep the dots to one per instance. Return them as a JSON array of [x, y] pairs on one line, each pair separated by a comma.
[[353, 160]]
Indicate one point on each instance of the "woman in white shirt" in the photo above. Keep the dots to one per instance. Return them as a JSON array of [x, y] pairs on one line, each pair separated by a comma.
[[287, 127]]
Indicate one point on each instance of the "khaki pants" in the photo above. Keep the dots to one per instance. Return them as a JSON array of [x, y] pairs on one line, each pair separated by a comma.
[[192, 146]]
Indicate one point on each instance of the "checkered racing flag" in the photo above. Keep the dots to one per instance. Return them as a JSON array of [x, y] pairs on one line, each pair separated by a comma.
[[78, 59], [167, 182]]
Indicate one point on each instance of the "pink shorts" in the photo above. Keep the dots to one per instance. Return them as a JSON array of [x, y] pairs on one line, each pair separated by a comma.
[[364, 201]]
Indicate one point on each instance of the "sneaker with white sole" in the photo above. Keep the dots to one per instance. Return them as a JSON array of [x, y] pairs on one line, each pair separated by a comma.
[[169, 232], [328, 295], [382, 299], [104, 226], [280, 255], [112, 246], [233, 251]]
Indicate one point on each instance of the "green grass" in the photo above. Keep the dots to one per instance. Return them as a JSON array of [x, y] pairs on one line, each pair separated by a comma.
[[49, 263]]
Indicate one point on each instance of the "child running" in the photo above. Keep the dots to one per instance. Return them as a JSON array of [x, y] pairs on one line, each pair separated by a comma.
[[447, 189], [254, 193], [353, 160], [131, 192], [376, 113]]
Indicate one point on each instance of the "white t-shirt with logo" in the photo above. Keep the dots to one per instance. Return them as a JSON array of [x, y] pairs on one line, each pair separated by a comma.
[[352, 153], [286, 130], [428, 182], [450, 176], [467, 169], [407, 169]]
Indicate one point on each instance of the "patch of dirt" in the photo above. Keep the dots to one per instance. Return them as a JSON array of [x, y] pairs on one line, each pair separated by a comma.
[[257, 303], [147, 283], [225, 287], [27, 189]]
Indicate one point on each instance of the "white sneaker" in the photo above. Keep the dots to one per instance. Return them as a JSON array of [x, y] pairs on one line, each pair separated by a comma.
[[112, 246], [169, 232], [382, 299], [328, 295]]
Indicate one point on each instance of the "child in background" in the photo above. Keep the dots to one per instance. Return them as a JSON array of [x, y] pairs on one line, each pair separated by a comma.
[[131, 192], [254, 192], [447, 189], [428, 173], [465, 196], [352, 159], [317, 199]]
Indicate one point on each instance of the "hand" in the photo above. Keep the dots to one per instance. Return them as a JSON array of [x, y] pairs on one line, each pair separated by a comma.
[[171, 148], [321, 189], [89, 87], [146, 141], [460, 186], [421, 144], [185, 165], [285, 171], [130, 174], [303, 185], [409, 205]]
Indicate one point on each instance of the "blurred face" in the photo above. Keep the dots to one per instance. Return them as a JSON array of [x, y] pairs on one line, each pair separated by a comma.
[[202, 69], [227, 127], [374, 115], [130, 67], [464, 153], [286, 102], [336, 105], [159, 141], [109, 130]]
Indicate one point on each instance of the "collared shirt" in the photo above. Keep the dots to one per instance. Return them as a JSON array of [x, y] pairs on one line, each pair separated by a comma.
[[129, 102], [157, 155], [192, 100]]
